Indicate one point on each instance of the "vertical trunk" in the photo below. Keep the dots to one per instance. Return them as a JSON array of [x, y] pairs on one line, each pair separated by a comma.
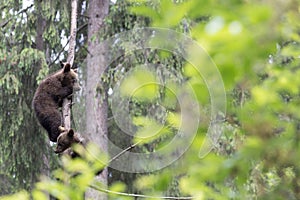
[[41, 24], [72, 43], [66, 108], [96, 106], [40, 45]]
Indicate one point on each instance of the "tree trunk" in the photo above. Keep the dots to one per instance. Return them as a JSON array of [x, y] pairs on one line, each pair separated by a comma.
[[40, 45], [66, 107], [96, 106], [41, 24], [73, 31]]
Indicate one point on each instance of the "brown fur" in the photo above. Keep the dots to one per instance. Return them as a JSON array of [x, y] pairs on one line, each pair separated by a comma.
[[66, 139], [49, 96]]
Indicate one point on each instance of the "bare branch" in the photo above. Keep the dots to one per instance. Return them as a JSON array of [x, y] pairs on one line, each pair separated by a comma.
[[21, 11], [124, 151], [59, 53], [62, 50], [96, 187]]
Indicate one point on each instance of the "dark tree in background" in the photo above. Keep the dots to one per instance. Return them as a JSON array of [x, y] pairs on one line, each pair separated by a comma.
[[30, 46], [24, 153]]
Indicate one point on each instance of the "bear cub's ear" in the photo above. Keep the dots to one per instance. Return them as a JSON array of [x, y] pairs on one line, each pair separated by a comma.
[[67, 67], [71, 133]]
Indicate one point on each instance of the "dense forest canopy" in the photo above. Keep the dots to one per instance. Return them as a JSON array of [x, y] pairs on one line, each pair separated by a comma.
[[193, 99]]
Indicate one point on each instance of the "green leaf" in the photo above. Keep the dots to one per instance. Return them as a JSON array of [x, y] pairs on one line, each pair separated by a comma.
[[140, 84], [264, 96], [22, 195]]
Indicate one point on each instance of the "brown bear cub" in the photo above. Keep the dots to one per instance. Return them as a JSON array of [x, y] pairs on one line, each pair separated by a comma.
[[66, 139], [49, 96]]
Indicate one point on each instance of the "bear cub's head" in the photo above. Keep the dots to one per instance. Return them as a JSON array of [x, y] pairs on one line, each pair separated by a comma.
[[69, 77], [66, 139]]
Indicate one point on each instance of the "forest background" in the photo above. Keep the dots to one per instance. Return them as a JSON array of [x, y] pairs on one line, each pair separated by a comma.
[[227, 116]]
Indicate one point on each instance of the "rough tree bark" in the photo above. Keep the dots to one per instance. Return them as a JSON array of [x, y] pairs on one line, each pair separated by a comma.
[[40, 45], [96, 106], [66, 107], [41, 24], [73, 31]]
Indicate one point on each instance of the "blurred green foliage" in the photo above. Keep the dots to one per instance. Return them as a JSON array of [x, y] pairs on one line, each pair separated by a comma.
[[72, 179], [255, 45]]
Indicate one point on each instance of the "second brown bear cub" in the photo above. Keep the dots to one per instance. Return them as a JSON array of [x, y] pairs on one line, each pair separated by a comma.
[[49, 96], [66, 139]]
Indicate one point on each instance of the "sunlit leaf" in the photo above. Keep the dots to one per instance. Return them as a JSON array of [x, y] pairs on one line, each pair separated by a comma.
[[39, 195], [174, 119], [118, 187], [264, 96], [22, 195], [140, 84]]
